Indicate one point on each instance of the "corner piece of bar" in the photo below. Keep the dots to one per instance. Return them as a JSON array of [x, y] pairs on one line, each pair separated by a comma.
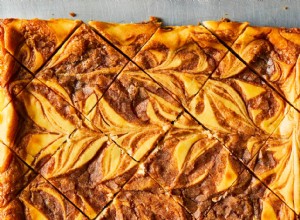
[[82, 69], [40, 200], [274, 54], [32, 42]]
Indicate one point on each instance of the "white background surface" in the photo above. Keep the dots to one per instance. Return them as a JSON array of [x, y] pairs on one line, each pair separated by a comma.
[[173, 12]]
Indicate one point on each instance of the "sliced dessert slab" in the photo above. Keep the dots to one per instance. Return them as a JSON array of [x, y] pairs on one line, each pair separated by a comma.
[[181, 59], [89, 169], [192, 165], [82, 69], [39, 121], [32, 42], [274, 54], [40, 200], [238, 107], [135, 111], [14, 175], [129, 38], [248, 198], [143, 198], [226, 30], [278, 162]]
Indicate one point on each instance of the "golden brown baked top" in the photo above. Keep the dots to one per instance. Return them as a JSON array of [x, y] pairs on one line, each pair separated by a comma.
[[226, 30], [238, 106], [181, 58], [14, 175], [277, 163], [134, 100], [82, 69], [140, 121], [143, 198], [40, 200], [274, 54], [192, 165], [248, 198], [32, 42], [89, 169], [40, 122], [129, 38]]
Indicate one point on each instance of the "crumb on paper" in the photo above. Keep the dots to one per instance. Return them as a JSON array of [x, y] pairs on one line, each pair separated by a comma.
[[72, 14]]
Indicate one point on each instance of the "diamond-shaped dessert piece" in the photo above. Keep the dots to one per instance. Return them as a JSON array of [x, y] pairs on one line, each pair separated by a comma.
[[89, 169], [278, 161], [226, 30], [82, 69], [32, 42], [40, 200], [129, 38], [181, 59], [135, 111], [143, 198], [192, 165], [238, 107], [40, 121], [274, 54], [248, 198], [14, 175]]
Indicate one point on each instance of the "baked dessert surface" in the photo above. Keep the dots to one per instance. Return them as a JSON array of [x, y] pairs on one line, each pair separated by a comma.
[[274, 54], [40, 200], [248, 198], [139, 121], [238, 107], [193, 166], [143, 198], [32, 42], [129, 38], [277, 163], [14, 175]]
